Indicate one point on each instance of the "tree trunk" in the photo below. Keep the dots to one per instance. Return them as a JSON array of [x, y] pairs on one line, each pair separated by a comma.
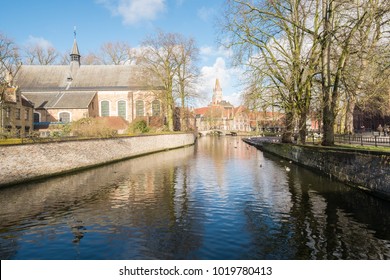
[[302, 128], [288, 133], [349, 129], [328, 123], [183, 124]]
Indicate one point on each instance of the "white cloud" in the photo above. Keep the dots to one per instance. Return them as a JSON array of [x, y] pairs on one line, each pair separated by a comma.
[[208, 51], [134, 11], [206, 13], [38, 41], [228, 77]]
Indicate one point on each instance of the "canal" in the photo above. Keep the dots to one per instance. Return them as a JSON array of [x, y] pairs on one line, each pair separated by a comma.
[[219, 199]]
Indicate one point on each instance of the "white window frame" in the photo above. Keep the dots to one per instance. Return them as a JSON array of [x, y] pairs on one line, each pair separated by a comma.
[[70, 115]]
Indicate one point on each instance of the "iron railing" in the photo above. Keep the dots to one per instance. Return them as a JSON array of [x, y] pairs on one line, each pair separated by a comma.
[[368, 140]]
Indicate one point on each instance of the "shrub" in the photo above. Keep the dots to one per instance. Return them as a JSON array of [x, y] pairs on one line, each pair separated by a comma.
[[91, 127], [139, 126]]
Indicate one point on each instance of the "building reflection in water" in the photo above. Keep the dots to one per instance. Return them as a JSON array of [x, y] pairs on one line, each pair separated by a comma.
[[220, 199]]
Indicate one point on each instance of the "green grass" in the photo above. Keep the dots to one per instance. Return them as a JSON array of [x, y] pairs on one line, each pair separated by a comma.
[[11, 141]]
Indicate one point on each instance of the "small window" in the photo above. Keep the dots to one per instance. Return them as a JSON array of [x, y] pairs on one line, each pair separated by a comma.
[[17, 114], [139, 108], [105, 108], [8, 112], [64, 117], [156, 108], [26, 114]]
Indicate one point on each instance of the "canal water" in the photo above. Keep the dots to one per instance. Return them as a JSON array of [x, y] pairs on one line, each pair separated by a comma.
[[219, 199]]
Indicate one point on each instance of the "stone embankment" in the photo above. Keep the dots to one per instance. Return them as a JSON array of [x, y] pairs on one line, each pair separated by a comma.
[[367, 170], [22, 163]]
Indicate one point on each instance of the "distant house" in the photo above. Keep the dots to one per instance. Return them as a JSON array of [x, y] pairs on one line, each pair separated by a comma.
[[66, 93], [16, 112], [221, 115]]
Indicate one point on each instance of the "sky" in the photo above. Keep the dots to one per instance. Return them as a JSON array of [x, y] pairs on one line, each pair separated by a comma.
[[51, 23]]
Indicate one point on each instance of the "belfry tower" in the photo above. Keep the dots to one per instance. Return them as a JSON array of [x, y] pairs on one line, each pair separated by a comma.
[[217, 93], [75, 54]]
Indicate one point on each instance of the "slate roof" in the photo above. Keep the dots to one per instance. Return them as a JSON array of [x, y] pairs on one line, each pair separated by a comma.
[[61, 99], [26, 102], [87, 77]]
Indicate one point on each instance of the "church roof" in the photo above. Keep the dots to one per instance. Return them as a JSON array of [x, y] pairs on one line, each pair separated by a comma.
[[61, 99], [87, 77]]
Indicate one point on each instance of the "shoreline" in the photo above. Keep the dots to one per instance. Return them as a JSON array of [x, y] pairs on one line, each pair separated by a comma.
[[365, 170], [34, 162]]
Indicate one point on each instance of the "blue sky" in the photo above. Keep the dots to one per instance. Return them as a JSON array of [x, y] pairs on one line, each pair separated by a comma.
[[100, 21]]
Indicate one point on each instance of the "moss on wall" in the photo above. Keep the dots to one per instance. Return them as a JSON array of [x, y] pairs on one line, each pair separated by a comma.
[[366, 170]]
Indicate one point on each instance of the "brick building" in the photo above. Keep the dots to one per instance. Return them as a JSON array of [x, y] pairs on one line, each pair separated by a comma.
[[16, 112], [221, 115], [66, 93]]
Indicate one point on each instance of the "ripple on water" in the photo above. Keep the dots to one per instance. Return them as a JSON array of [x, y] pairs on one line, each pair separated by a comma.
[[207, 202]]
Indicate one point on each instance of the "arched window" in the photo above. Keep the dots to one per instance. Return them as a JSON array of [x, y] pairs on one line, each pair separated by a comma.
[[104, 108], [122, 109], [139, 108], [37, 117], [156, 108], [64, 117]]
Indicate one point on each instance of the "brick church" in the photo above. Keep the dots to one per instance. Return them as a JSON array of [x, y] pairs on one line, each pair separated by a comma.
[[66, 93]]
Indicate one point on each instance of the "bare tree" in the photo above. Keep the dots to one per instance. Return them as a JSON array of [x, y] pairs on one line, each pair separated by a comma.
[[293, 39], [366, 73], [40, 55], [158, 61], [9, 65], [9, 59], [116, 53], [343, 24], [91, 59], [169, 61], [271, 38], [186, 55]]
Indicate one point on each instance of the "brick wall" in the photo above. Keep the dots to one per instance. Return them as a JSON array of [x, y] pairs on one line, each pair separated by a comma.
[[366, 170], [20, 163]]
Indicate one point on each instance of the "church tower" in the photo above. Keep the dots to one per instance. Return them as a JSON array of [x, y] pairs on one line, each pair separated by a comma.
[[217, 93], [75, 54]]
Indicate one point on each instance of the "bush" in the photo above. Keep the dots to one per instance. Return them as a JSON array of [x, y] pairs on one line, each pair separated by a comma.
[[91, 127], [139, 126]]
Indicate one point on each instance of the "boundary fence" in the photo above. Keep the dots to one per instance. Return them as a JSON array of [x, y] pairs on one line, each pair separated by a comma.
[[368, 140]]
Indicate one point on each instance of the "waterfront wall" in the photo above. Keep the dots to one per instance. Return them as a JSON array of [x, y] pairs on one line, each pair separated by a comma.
[[367, 170], [22, 163]]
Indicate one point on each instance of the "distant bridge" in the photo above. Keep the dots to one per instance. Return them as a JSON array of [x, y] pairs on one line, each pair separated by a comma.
[[216, 132]]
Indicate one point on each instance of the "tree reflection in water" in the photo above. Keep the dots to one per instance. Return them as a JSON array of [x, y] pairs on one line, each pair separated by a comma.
[[220, 199]]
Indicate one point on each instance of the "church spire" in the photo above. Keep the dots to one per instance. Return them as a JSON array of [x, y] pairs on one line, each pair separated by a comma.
[[217, 85], [75, 54], [217, 92]]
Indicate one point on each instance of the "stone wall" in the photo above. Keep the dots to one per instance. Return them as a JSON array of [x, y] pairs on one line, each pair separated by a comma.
[[21, 163], [367, 170]]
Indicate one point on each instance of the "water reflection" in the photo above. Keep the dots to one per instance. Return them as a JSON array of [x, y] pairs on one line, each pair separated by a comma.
[[220, 199]]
